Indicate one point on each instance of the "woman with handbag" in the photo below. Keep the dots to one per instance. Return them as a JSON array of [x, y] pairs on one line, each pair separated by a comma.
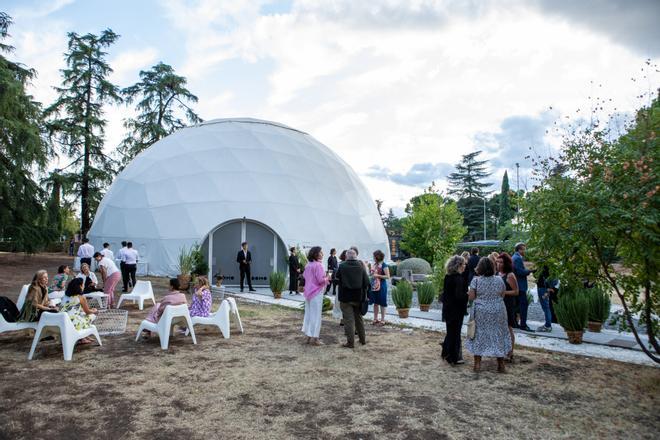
[[490, 336], [454, 306]]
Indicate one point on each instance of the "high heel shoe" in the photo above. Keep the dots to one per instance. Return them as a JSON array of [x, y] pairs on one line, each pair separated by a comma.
[[500, 365]]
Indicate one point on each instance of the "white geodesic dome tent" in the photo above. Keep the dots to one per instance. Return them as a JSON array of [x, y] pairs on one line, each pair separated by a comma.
[[229, 180]]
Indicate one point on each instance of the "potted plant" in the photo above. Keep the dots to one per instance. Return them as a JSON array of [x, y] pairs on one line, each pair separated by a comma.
[[425, 295], [186, 265], [218, 278], [200, 267], [599, 309], [402, 295], [572, 313], [277, 281]]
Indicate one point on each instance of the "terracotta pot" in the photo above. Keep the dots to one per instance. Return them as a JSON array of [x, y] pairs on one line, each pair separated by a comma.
[[424, 307], [403, 313], [184, 281], [594, 326], [277, 295], [575, 337]]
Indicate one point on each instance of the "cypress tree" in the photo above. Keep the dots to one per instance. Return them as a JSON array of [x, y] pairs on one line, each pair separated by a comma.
[[76, 120], [506, 213]]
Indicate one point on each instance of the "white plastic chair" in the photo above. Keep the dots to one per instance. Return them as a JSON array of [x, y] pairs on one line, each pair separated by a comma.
[[140, 292], [49, 322], [171, 316], [100, 297], [221, 318], [14, 326], [234, 312]]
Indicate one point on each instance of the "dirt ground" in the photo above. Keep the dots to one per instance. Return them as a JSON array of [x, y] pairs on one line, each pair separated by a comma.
[[266, 384]]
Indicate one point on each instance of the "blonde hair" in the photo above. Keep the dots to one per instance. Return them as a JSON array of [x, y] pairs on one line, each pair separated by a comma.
[[85, 265], [38, 275], [202, 281], [493, 256], [465, 255]]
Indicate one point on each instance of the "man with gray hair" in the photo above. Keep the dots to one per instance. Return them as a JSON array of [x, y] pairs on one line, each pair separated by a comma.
[[353, 283]]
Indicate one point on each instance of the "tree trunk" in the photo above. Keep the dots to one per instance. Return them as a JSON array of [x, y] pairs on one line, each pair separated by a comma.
[[84, 193]]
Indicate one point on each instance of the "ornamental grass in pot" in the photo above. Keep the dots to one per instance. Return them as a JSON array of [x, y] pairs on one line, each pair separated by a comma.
[[599, 308], [402, 295], [186, 265], [277, 282], [425, 295], [572, 313]]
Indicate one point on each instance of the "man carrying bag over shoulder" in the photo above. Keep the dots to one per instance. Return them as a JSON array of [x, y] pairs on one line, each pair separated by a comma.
[[353, 283]]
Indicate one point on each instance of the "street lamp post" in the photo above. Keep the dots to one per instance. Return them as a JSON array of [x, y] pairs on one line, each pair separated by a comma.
[[484, 218]]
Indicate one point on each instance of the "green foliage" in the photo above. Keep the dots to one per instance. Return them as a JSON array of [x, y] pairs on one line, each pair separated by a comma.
[[302, 257], [161, 97], [416, 265], [434, 226], [599, 304], [468, 186], [505, 211], [76, 119], [186, 260], [277, 281], [393, 224], [402, 295], [23, 152], [572, 310], [393, 269], [598, 203], [199, 265], [426, 292], [327, 304]]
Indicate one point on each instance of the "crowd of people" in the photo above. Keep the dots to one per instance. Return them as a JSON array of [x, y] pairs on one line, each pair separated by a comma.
[[494, 286]]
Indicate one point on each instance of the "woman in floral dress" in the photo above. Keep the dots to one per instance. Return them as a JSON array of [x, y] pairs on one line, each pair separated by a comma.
[[492, 333], [75, 305], [201, 299]]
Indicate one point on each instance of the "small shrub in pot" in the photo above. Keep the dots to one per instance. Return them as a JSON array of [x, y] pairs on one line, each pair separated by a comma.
[[402, 295], [425, 295]]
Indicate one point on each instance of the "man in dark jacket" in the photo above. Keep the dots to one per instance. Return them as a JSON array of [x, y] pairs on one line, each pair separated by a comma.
[[244, 259], [353, 283], [472, 264]]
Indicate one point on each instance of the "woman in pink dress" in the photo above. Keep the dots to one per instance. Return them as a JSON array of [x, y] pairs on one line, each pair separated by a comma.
[[315, 282], [110, 275], [173, 298], [201, 299]]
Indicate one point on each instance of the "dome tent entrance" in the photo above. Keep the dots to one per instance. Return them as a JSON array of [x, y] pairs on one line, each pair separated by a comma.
[[181, 188], [222, 244]]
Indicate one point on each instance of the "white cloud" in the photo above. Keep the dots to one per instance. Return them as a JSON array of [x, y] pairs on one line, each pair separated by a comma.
[[127, 65]]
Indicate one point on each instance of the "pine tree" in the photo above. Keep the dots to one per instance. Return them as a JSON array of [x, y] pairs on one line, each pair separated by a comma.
[[506, 213], [468, 186], [162, 109], [76, 118], [23, 153]]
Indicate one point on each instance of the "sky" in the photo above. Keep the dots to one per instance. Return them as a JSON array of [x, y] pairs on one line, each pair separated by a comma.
[[399, 89]]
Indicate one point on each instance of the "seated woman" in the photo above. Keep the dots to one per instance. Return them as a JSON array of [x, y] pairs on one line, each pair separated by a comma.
[[90, 282], [58, 286], [36, 301], [201, 299], [75, 305], [173, 298]]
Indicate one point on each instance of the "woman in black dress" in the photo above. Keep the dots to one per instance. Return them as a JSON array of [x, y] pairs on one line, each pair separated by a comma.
[[454, 300], [505, 271], [294, 271]]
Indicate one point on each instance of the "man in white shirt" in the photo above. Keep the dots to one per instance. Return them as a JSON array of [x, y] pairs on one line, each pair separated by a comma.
[[85, 252], [130, 264], [107, 253]]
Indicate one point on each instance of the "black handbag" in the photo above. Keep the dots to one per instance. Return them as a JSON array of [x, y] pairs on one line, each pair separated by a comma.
[[364, 305]]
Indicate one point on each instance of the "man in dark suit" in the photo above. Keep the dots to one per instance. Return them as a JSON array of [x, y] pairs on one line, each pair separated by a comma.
[[244, 258], [472, 263]]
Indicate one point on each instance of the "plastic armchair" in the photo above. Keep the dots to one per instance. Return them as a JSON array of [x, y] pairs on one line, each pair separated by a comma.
[[141, 291], [50, 323], [221, 318], [14, 326], [171, 316]]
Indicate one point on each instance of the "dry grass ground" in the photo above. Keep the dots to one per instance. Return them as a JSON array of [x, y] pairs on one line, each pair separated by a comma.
[[265, 384]]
